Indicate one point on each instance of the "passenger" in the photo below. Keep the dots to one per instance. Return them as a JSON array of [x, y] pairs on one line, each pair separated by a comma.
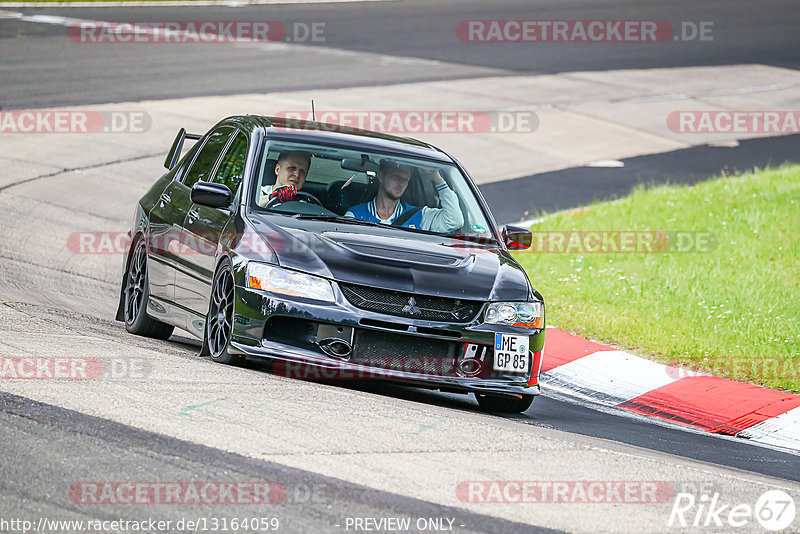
[[387, 208], [290, 175]]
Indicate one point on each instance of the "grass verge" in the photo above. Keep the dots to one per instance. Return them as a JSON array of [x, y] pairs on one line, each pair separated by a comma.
[[729, 305]]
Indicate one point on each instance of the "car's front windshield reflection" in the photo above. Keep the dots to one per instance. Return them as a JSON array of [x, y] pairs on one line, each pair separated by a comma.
[[345, 185]]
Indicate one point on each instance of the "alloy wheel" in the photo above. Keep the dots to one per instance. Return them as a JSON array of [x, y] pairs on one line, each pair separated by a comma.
[[134, 288], [220, 313]]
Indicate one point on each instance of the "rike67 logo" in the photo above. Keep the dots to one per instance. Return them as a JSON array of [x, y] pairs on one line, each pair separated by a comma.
[[774, 511]]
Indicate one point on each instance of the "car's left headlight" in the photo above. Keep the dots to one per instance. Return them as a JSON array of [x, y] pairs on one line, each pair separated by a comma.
[[277, 280], [530, 314]]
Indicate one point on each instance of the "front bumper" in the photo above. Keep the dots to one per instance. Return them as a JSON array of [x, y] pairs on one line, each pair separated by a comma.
[[301, 364], [256, 313]]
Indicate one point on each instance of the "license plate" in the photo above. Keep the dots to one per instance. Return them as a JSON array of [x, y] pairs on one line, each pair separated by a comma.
[[510, 353]]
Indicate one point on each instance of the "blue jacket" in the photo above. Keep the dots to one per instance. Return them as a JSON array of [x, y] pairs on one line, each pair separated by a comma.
[[445, 219]]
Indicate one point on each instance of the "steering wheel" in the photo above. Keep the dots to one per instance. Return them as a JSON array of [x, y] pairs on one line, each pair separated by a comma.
[[307, 196]]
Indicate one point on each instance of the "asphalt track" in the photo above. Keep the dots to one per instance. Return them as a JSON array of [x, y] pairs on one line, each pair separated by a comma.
[[124, 452], [38, 70], [120, 432]]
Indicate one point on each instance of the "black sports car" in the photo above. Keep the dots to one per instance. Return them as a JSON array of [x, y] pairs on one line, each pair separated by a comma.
[[277, 240]]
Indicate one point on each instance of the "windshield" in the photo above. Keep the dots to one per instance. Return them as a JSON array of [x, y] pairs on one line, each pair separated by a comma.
[[356, 186]]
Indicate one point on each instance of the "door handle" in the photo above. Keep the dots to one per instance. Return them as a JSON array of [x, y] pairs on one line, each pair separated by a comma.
[[165, 198], [193, 215]]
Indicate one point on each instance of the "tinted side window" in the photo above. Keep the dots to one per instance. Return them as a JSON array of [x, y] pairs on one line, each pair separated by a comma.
[[231, 166], [207, 157]]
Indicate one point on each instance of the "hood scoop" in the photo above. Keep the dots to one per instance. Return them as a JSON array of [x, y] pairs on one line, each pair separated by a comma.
[[407, 256]]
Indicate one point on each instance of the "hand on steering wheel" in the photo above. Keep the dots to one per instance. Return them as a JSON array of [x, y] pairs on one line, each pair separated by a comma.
[[284, 193], [308, 197]]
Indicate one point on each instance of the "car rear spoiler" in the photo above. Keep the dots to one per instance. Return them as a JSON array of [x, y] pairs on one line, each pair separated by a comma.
[[177, 145]]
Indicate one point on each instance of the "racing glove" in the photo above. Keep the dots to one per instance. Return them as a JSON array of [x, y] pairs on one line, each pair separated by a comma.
[[284, 193]]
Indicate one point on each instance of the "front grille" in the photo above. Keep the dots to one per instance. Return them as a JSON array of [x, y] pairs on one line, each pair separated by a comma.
[[410, 305], [409, 354]]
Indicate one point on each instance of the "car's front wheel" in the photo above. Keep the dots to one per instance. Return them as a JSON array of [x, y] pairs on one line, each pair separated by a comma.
[[504, 404], [219, 321], [136, 294]]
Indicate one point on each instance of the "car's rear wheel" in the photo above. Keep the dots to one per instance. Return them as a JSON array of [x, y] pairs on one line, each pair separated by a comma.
[[219, 322], [504, 404], [136, 294]]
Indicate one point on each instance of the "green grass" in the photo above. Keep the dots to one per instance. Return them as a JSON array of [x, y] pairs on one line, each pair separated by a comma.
[[733, 311]]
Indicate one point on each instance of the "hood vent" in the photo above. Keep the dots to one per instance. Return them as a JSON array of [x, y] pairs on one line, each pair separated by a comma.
[[404, 255]]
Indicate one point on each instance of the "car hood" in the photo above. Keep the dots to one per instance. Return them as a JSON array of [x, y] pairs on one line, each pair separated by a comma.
[[396, 259]]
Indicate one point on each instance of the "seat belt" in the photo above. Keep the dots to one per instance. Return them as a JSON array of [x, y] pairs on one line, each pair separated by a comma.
[[404, 218]]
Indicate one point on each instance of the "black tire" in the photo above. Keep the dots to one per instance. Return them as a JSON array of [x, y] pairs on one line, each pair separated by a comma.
[[504, 404], [136, 293], [219, 321]]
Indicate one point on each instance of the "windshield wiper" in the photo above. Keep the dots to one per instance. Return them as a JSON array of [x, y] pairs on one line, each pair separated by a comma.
[[485, 239], [352, 220], [337, 218]]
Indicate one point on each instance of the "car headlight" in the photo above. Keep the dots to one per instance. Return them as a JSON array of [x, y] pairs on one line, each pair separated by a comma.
[[530, 314], [276, 280]]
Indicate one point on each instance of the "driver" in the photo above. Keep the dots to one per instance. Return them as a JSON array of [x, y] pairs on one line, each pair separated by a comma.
[[290, 175], [386, 207]]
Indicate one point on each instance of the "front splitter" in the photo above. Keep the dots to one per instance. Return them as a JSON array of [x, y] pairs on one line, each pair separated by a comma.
[[307, 365]]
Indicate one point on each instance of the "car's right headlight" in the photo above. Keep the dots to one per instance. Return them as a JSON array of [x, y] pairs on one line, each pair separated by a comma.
[[530, 314], [285, 282]]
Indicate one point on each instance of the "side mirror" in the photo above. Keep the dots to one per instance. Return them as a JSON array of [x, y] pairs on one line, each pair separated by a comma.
[[211, 195], [517, 238]]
